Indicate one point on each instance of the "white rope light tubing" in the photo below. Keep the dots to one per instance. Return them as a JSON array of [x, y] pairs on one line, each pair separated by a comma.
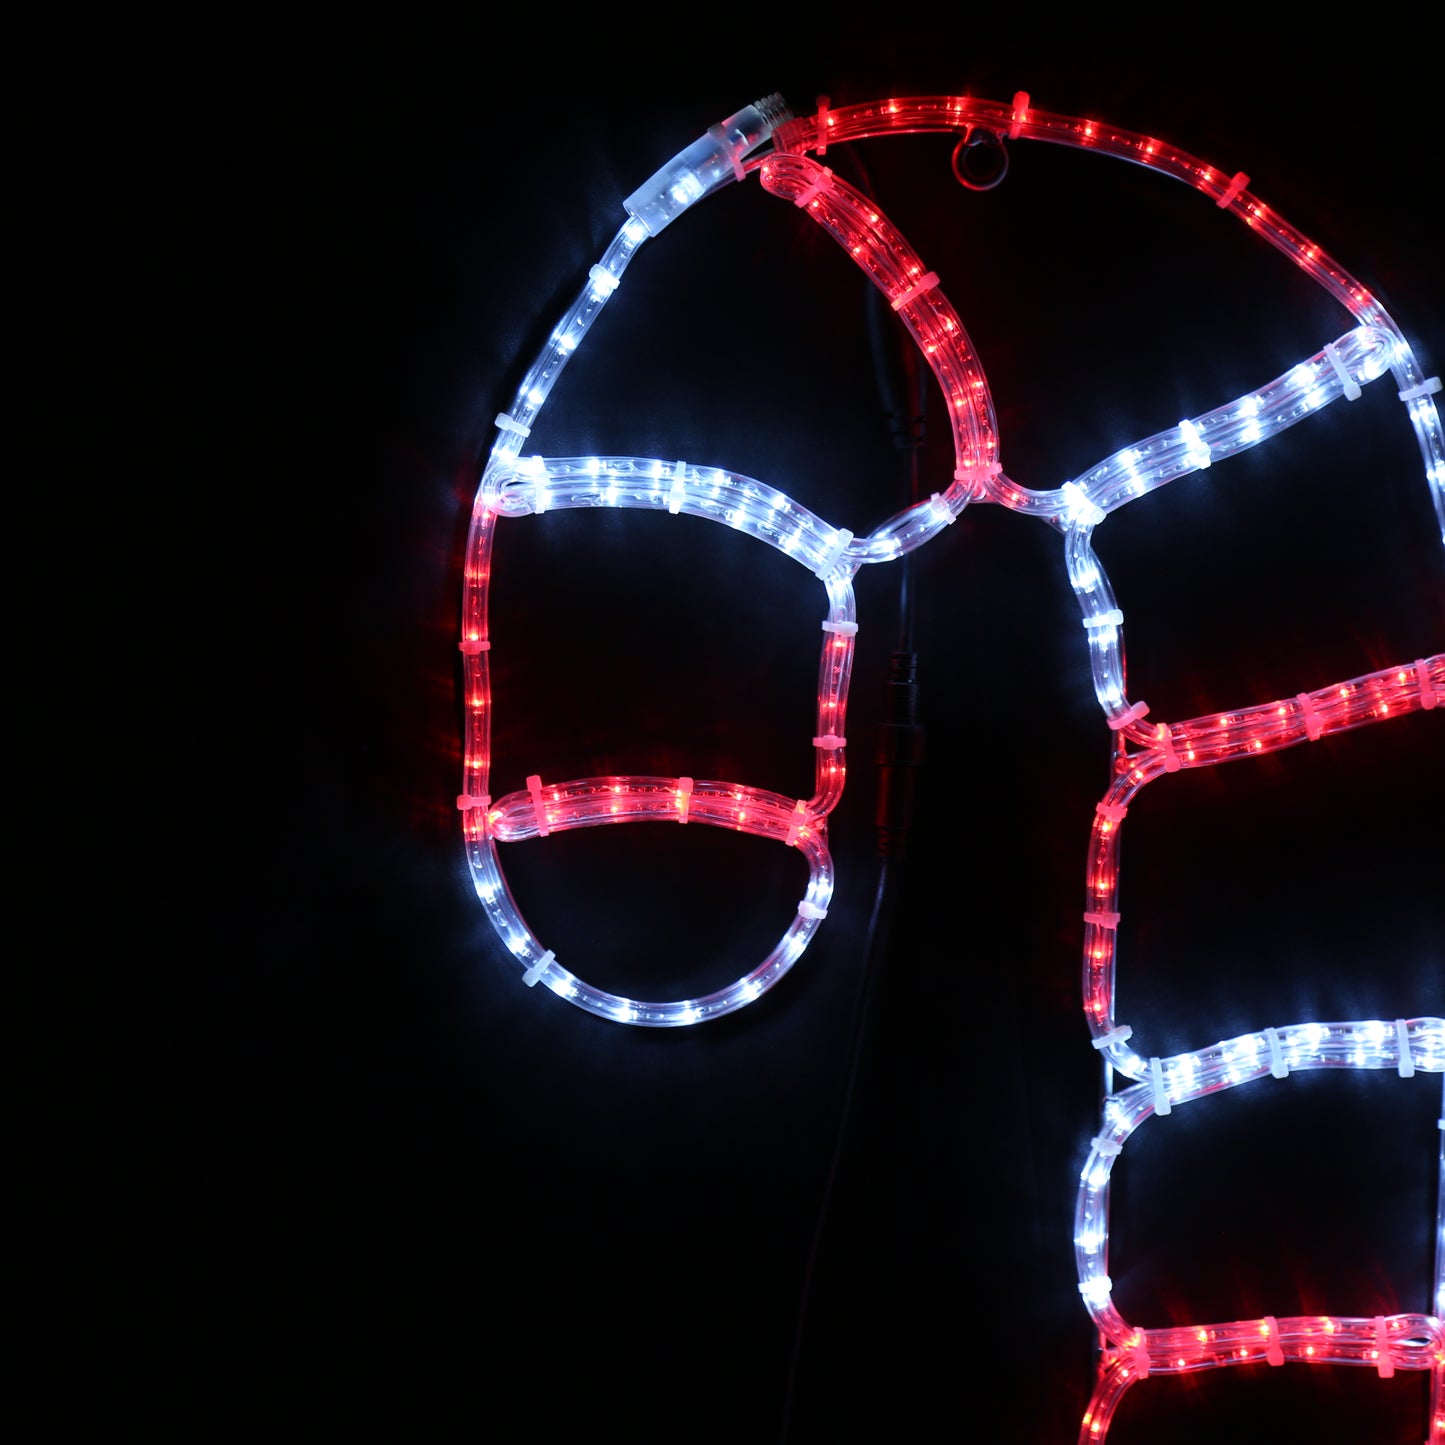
[[515, 485]]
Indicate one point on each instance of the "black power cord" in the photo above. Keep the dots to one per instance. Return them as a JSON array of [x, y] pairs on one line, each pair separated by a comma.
[[903, 387], [878, 929]]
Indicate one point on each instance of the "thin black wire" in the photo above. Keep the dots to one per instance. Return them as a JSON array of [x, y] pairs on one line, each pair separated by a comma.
[[903, 387], [875, 941]]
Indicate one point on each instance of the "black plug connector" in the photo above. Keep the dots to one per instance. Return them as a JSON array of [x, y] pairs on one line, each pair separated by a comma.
[[899, 755]]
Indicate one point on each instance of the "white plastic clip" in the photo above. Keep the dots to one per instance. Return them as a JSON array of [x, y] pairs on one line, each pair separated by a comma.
[[1112, 618], [821, 144], [926, 282], [1425, 388], [1111, 812], [1085, 511], [800, 816], [1199, 450], [604, 283], [1314, 724], [1156, 1079], [1109, 1148], [1383, 1362], [830, 740], [1428, 696], [1138, 710], [510, 423], [1164, 736], [1020, 113], [1277, 1065], [1402, 1040], [976, 477], [1233, 189], [1101, 1287], [811, 910], [467, 801], [942, 510], [969, 471], [721, 137], [1348, 382], [1118, 1035], [683, 795], [678, 493], [1140, 1357], [822, 181], [1274, 1352], [835, 551], [534, 787], [843, 629], [1103, 920], [470, 646], [536, 971]]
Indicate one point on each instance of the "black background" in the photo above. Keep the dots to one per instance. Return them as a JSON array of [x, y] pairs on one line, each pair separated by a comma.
[[370, 1178]]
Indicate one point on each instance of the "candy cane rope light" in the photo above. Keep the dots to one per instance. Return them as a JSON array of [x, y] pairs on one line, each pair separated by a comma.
[[1146, 748]]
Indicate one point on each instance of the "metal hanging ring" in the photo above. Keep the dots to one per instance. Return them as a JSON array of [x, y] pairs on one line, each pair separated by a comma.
[[980, 159]]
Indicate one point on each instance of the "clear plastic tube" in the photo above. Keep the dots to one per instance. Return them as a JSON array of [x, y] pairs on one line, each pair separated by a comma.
[[516, 485], [1201, 742], [1229, 192]]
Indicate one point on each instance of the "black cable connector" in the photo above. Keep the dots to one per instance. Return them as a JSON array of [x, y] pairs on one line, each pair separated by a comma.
[[899, 755]]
